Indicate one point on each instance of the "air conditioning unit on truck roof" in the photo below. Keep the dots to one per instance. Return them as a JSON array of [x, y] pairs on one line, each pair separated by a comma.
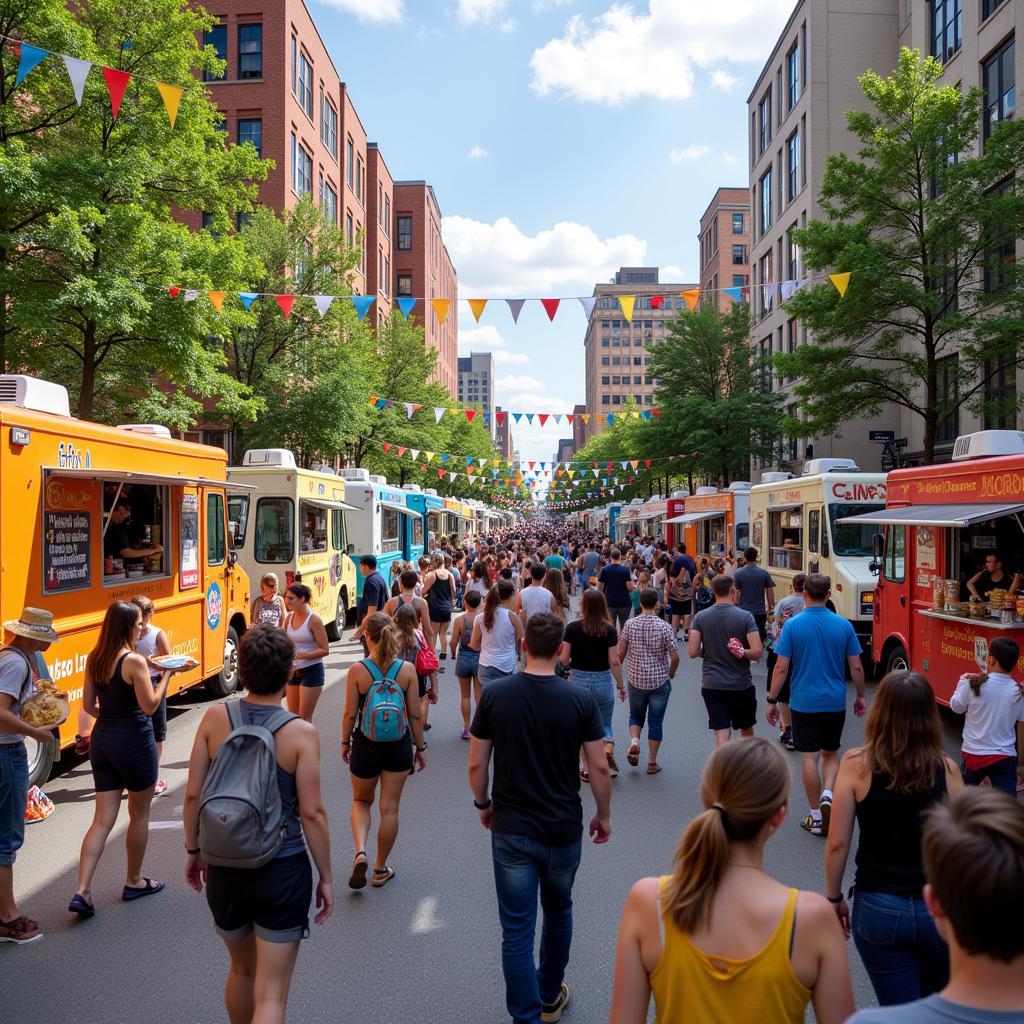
[[280, 458], [153, 429], [32, 393], [356, 474], [774, 478], [817, 466], [739, 485], [985, 444], [376, 478], [706, 490]]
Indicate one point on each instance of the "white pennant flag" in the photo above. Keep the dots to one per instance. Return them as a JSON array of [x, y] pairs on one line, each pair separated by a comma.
[[415, 454], [558, 417], [323, 303], [453, 475], [191, 294], [78, 72], [587, 302], [439, 411], [409, 409]]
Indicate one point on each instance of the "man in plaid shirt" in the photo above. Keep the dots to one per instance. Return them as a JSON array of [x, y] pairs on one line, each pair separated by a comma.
[[647, 645]]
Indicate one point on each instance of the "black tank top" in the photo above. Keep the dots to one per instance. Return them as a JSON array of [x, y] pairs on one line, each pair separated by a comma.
[[889, 854], [439, 596], [117, 699]]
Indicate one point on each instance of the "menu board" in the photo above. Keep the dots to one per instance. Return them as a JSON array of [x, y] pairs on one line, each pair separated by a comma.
[[189, 541], [66, 561]]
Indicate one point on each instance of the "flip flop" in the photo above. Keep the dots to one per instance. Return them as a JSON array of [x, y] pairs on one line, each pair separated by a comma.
[[633, 757], [653, 768], [357, 880], [131, 892], [383, 877], [79, 906]]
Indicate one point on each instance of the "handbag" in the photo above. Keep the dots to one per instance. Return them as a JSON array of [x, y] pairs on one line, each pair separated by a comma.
[[426, 659]]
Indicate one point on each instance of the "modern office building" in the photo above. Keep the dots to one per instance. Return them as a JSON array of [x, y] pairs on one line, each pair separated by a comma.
[[424, 270], [565, 450], [476, 382], [503, 433], [725, 246], [579, 427], [616, 346]]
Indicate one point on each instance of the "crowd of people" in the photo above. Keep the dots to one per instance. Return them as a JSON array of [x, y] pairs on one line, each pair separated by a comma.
[[547, 627]]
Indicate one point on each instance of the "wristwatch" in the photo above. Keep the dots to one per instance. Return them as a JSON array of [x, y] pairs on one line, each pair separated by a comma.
[[419, 750], [772, 700], [835, 900], [483, 806]]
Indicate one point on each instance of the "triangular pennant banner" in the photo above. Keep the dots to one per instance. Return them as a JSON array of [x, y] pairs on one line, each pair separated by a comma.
[[515, 307], [323, 303], [517, 416], [171, 95], [841, 281], [550, 307], [529, 418], [657, 301], [568, 417], [470, 413], [415, 454], [217, 298], [586, 416], [248, 298], [626, 302], [690, 297], [477, 306], [410, 408], [362, 304], [78, 72], [439, 411], [191, 294], [30, 57], [387, 447], [500, 415], [588, 302], [543, 417], [285, 302], [117, 82], [441, 309], [429, 456], [734, 293], [405, 305], [402, 451]]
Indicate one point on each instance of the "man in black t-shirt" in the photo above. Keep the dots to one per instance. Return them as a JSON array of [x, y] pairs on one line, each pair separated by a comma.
[[534, 724], [614, 580]]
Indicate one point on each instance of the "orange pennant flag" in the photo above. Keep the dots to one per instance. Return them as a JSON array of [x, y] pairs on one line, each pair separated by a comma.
[[441, 309], [477, 306], [841, 281], [627, 302], [690, 297], [171, 95], [217, 298]]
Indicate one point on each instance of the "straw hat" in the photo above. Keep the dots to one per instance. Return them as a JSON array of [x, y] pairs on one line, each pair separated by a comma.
[[34, 624]]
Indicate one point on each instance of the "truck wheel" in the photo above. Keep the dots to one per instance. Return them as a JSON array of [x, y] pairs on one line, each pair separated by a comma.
[[334, 629], [41, 757], [898, 661], [225, 682]]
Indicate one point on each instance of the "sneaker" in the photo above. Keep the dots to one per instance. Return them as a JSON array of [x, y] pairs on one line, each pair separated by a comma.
[[24, 929], [160, 788], [812, 825], [613, 765], [826, 813], [551, 1012], [786, 739], [464, 735]]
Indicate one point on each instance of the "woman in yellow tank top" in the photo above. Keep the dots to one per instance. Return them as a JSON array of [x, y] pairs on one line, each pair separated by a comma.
[[719, 940]]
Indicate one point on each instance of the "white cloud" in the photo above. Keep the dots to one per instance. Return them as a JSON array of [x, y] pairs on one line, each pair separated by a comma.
[[676, 275], [487, 338], [500, 259], [471, 12], [537, 401], [379, 11], [729, 158], [723, 80], [511, 382], [478, 152], [625, 53], [691, 152]]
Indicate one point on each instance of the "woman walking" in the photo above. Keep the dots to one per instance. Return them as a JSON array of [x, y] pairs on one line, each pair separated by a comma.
[[478, 580], [120, 696], [554, 581], [467, 662], [719, 939], [497, 633], [887, 785], [591, 653], [369, 760], [152, 643], [410, 640], [439, 591], [306, 631]]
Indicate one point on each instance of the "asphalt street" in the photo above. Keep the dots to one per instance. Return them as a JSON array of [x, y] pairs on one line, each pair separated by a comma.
[[426, 947]]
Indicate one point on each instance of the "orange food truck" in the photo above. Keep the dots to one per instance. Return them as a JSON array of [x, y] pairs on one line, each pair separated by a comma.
[[940, 523], [714, 522], [60, 481]]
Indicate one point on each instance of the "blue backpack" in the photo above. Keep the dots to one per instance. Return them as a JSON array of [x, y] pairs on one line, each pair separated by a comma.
[[384, 718]]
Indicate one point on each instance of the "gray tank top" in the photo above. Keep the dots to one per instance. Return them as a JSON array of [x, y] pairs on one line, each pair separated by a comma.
[[467, 633]]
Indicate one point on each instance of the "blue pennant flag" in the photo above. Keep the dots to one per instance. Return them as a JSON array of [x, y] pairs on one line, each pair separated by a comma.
[[645, 415], [362, 304], [405, 305], [445, 457], [517, 416], [734, 293], [470, 460], [382, 403], [487, 418], [610, 417], [248, 298], [30, 57]]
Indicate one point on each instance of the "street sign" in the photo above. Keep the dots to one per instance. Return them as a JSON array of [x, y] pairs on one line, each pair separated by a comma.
[[887, 464], [881, 435], [900, 442]]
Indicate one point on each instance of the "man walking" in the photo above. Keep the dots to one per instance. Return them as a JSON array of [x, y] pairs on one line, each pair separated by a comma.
[[785, 609], [535, 598], [614, 582], [373, 597], [534, 724], [680, 589], [820, 646], [588, 563], [726, 637], [756, 589]]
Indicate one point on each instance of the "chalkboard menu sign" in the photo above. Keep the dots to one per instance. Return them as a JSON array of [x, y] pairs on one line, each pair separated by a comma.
[[66, 546]]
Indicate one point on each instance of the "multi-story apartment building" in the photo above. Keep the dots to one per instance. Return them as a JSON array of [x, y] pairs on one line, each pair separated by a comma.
[[579, 427], [380, 228], [797, 118], [424, 270], [476, 382], [725, 245], [503, 434], [616, 348]]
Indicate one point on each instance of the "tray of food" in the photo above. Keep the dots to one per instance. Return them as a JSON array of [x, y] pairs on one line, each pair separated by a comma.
[[47, 709], [175, 662]]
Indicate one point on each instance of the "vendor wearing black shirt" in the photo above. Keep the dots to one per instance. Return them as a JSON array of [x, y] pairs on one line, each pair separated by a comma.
[[992, 577], [119, 542]]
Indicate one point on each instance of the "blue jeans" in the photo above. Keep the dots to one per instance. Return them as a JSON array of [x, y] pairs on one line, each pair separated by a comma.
[[13, 796], [902, 950], [490, 674], [652, 702], [600, 685], [520, 866], [1002, 774]]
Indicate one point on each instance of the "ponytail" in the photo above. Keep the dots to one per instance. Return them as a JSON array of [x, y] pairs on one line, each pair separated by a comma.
[[381, 631], [743, 784], [491, 602]]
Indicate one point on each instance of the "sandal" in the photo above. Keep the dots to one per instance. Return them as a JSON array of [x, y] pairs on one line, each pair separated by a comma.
[[357, 880], [82, 744], [151, 888], [584, 775], [381, 876], [80, 906], [633, 757], [653, 768]]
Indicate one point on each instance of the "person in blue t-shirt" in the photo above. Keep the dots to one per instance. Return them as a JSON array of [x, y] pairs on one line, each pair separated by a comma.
[[820, 645]]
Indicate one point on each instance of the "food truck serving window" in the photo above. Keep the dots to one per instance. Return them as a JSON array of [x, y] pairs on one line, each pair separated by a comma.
[[786, 538], [417, 531], [135, 521], [389, 540], [312, 528], [275, 540], [851, 538]]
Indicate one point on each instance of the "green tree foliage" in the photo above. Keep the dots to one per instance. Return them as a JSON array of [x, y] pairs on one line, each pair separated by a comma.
[[934, 309]]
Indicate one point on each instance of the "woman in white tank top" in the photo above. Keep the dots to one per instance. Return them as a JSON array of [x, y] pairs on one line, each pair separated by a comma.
[[306, 631], [497, 632]]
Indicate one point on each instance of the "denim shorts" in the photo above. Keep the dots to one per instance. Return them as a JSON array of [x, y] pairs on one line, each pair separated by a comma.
[[308, 675], [491, 674], [13, 796], [600, 685], [467, 664]]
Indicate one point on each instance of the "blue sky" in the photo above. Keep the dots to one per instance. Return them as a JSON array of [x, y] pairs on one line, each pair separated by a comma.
[[563, 138]]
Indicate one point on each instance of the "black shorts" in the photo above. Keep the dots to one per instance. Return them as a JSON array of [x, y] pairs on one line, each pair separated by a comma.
[[818, 730], [369, 759], [761, 618], [272, 901], [160, 721], [123, 756], [680, 607], [784, 692], [440, 616], [730, 709]]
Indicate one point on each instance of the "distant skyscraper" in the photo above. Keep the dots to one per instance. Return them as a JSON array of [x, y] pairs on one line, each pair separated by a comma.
[[503, 434], [476, 382]]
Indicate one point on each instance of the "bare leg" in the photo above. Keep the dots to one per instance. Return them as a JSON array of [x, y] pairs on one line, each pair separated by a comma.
[[655, 746], [136, 839], [784, 716], [746, 732], [464, 687], [8, 908], [292, 697], [829, 768], [239, 996], [308, 697], [108, 803], [363, 792], [812, 780], [275, 962], [391, 786], [722, 736]]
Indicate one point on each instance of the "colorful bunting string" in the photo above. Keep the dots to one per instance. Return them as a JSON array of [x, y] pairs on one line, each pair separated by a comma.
[[440, 411]]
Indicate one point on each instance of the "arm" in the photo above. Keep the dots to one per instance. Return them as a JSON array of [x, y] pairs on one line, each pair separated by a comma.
[[778, 681], [517, 625], [694, 647], [478, 635], [769, 594], [566, 655], [615, 664], [407, 675], [314, 816], [453, 643], [860, 705], [623, 645], [198, 766], [754, 647], [479, 776], [322, 648], [631, 995], [840, 834], [136, 673], [348, 718], [961, 699], [832, 993], [10, 722], [673, 662], [163, 645], [954, 778], [140, 552], [428, 629], [974, 579], [601, 786]]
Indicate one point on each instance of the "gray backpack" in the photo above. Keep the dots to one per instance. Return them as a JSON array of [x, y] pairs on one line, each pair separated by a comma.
[[242, 822]]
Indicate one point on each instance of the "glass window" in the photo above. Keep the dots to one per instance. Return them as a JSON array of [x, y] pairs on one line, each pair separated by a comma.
[[305, 90], [604, 361], [312, 528], [1000, 408], [786, 539], [339, 535], [404, 284], [606, 400], [350, 234], [238, 518], [793, 76], [989, 7], [405, 234], [329, 126], [737, 224], [250, 51], [896, 553], [417, 532], [389, 530], [793, 165], [294, 64], [1000, 254], [1000, 89], [217, 37], [303, 172], [947, 27], [329, 203], [852, 538], [739, 255], [766, 201], [813, 526], [274, 530], [216, 543], [764, 122], [739, 280], [948, 429], [251, 130], [349, 162]]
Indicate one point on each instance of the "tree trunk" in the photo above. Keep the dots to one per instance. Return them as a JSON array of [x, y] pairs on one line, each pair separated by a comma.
[[87, 391]]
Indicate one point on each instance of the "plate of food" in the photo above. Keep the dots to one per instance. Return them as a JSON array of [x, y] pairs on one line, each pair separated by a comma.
[[175, 662], [46, 710]]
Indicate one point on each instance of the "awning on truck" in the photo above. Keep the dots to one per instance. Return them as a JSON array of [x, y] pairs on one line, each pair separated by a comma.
[[785, 508], [935, 515], [403, 509], [131, 476], [328, 503], [695, 517]]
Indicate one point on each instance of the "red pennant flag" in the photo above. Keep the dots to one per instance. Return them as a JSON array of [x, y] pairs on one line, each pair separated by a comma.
[[285, 302], [117, 82], [543, 417], [657, 301], [610, 464], [387, 447], [501, 417], [402, 451], [423, 465], [647, 463], [657, 412], [532, 464], [568, 417], [175, 292], [550, 307], [441, 474], [470, 413]]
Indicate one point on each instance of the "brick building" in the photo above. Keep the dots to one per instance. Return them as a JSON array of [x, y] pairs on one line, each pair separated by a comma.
[[725, 244], [579, 427], [380, 228], [503, 435]]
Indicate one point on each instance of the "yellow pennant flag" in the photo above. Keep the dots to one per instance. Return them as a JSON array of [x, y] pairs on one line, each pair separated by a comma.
[[478, 306], [571, 473], [171, 95], [627, 302], [841, 281], [429, 456], [441, 309], [690, 297], [635, 414], [586, 416], [217, 298]]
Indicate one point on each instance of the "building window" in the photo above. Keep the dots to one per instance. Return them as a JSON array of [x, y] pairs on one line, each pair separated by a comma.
[[350, 235], [242, 220], [349, 162], [989, 7], [207, 220], [251, 130], [1000, 411], [1000, 87], [302, 169], [739, 280], [305, 86], [328, 125], [386, 225], [764, 122], [738, 226], [792, 256], [250, 51], [793, 76], [1000, 254], [947, 27], [766, 201], [793, 165], [217, 37], [405, 234], [948, 429], [739, 255], [329, 202], [359, 180], [404, 286]]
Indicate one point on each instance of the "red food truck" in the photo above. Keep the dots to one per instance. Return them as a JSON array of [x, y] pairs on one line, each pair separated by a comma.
[[940, 524]]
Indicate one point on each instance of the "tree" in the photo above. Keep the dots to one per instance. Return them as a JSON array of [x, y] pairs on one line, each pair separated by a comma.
[[711, 394], [934, 308]]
